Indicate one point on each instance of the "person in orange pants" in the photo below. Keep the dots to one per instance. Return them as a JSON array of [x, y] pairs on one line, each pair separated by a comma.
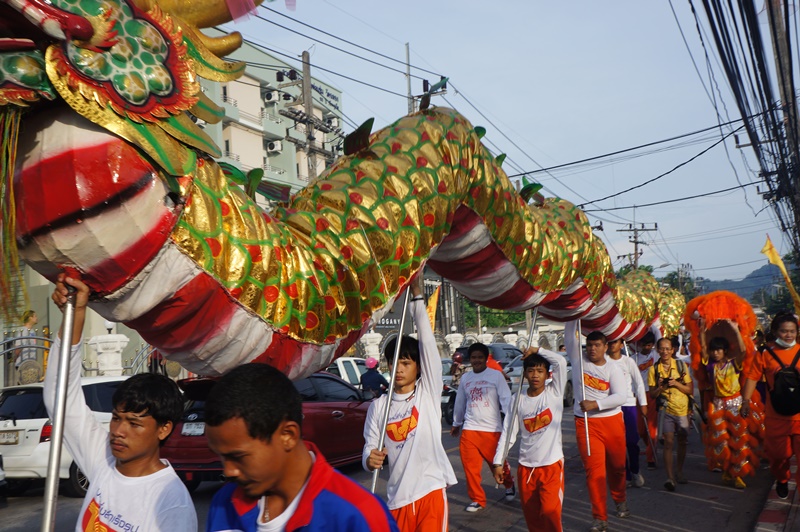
[[648, 426], [482, 395], [603, 391], [540, 473]]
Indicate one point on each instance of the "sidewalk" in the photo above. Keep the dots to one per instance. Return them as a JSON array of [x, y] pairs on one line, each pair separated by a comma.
[[781, 515]]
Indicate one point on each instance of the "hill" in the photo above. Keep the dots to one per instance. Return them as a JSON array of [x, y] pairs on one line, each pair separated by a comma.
[[763, 277]]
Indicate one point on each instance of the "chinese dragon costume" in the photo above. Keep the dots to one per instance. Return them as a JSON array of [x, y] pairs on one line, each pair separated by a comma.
[[104, 171], [732, 442]]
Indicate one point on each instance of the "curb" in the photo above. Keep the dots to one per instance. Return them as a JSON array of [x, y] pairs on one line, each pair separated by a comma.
[[779, 515]]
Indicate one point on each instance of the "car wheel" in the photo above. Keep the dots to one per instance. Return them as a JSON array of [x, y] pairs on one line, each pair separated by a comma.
[[191, 485], [449, 408], [77, 483], [568, 395], [17, 486]]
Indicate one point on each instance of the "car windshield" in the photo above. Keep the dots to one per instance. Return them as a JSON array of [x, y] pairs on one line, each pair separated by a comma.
[[22, 404], [446, 364]]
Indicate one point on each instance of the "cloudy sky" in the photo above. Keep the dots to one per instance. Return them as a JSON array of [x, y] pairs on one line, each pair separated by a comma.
[[554, 83]]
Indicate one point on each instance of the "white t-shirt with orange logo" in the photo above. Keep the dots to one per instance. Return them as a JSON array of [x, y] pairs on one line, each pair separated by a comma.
[[644, 363], [418, 463], [481, 397], [539, 420], [604, 384]]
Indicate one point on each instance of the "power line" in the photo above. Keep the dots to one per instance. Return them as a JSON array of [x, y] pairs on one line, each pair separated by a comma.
[[729, 265], [684, 163], [676, 199], [348, 42], [336, 47]]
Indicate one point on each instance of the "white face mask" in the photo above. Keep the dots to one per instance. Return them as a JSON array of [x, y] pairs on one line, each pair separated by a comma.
[[784, 344]]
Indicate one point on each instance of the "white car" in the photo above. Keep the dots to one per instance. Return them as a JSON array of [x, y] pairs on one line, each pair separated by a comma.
[[2, 478], [25, 432]]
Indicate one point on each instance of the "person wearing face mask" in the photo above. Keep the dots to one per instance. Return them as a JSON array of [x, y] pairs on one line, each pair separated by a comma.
[[782, 436]]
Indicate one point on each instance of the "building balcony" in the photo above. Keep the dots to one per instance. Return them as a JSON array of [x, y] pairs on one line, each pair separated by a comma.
[[273, 124], [231, 106], [232, 156]]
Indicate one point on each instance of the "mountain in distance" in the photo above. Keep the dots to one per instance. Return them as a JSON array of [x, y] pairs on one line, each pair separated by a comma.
[[764, 277]]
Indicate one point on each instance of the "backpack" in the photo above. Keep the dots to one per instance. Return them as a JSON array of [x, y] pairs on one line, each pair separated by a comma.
[[785, 393]]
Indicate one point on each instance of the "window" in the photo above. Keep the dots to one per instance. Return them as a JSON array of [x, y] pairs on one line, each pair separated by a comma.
[[334, 369], [333, 390], [306, 390], [353, 376], [98, 396], [22, 404], [362, 366]]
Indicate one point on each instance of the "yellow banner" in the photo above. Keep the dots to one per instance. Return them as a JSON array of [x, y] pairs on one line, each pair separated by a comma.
[[774, 258], [433, 301]]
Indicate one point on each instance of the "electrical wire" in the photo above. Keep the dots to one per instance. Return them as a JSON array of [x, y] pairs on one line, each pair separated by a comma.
[[685, 198], [684, 163]]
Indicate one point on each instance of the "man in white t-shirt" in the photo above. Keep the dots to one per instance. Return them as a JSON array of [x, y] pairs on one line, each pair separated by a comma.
[[540, 473], [131, 488], [482, 395], [635, 407], [605, 392], [645, 357], [419, 469]]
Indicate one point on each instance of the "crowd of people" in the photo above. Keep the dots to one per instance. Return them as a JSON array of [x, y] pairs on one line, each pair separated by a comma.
[[281, 482]]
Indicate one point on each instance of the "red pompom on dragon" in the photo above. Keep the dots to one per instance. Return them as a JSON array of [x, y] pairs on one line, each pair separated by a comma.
[[104, 171]]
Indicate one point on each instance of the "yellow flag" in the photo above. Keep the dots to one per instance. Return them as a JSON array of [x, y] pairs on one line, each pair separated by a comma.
[[433, 301], [774, 258]]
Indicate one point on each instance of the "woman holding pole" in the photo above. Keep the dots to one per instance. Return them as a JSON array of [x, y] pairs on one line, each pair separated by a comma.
[[419, 469]]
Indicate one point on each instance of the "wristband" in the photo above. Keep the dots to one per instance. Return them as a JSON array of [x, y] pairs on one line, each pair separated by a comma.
[[418, 298], [494, 466]]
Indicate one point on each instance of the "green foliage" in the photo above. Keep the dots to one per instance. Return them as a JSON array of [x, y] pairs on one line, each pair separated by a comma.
[[489, 317], [682, 283], [625, 270]]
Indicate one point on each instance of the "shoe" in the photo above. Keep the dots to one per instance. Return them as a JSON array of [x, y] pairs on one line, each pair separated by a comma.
[[473, 507], [682, 479], [669, 485], [716, 470], [739, 484], [599, 526], [651, 465], [727, 479], [510, 492], [629, 484], [782, 489], [638, 480], [622, 510]]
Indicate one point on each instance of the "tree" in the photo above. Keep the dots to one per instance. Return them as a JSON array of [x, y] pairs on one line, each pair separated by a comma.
[[682, 283], [625, 270], [491, 318]]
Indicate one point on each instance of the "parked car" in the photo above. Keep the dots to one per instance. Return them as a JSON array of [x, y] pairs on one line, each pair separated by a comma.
[[514, 369], [334, 413], [2, 478], [349, 369], [502, 353], [25, 432]]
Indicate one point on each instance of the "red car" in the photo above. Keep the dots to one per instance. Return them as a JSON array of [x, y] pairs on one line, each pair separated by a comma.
[[333, 418]]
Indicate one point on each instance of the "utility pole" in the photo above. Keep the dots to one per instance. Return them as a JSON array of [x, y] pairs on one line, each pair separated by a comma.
[[308, 108], [408, 80], [636, 229]]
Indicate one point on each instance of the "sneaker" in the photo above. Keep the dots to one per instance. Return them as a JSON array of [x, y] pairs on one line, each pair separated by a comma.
[[739, 484], [682, 479], [473, 507], [638, 480], [629, 484], [716, 469], [622, 510], [669, 485], [727, 479], [510, 492], [599, 526], [782, 489], [651, 465]]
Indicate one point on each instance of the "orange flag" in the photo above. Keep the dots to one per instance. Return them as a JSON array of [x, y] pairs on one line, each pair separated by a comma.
[[774, 258], [433, 301]]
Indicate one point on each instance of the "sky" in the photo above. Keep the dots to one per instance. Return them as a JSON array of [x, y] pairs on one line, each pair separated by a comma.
[[557, 82]]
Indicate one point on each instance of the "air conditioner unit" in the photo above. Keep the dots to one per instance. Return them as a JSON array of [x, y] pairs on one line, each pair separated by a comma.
[[272, 97], [274, 146], [332, 122]]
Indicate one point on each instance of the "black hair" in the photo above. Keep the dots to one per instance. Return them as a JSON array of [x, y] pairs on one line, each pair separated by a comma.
[[595, 336], [648, 338], [663, 339], [782, 317], [409, 348], [718, 342], [480, 348], [260, 395], [532, 361], [675, 342], [156, 395]]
